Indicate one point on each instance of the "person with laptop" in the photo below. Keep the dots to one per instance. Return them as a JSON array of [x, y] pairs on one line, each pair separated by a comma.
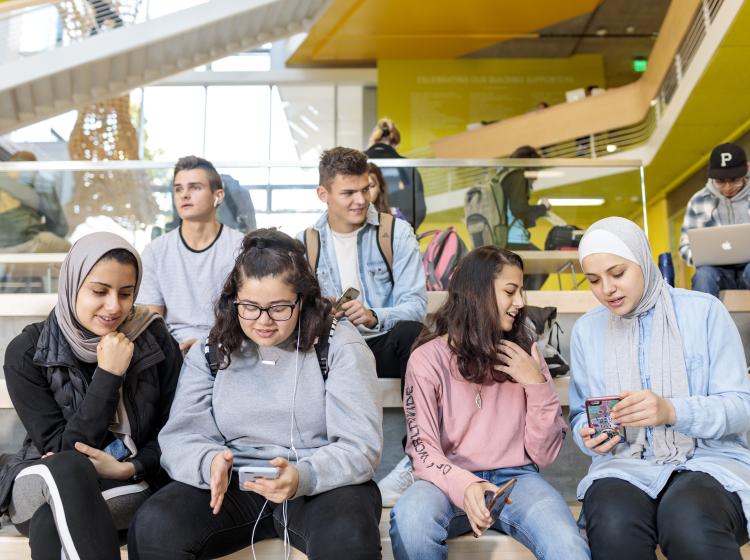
[[720, 256]]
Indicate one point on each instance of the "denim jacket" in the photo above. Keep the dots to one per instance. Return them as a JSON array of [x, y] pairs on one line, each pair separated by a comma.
[[716, 414], [405, 300]]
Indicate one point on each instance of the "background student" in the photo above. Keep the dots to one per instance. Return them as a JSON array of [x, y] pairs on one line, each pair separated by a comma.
[[379, 192], [404, 185], [391, 302], [725, 200], [185, 268], [681, 476]]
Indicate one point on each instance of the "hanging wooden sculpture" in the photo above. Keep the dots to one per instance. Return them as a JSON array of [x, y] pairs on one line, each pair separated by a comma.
[[104, 132]]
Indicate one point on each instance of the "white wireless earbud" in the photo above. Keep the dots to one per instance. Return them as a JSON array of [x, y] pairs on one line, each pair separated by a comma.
[[216, 201]]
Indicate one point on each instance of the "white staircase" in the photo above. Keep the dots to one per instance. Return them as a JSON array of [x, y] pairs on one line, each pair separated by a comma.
[[109, 64]]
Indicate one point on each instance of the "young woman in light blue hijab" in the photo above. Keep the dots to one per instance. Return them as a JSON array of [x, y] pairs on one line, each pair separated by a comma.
[[680, 478]]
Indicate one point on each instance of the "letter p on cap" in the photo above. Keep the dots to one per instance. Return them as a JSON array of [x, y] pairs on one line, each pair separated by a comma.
[[726, 157]]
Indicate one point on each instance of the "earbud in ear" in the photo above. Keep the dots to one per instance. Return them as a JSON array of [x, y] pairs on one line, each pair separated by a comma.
[[216, 201]]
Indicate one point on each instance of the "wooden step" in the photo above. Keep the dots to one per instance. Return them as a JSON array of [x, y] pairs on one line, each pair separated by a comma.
[[490, 546]]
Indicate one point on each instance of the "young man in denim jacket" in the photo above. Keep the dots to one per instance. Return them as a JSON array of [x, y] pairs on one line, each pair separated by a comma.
[[725, 200], [391, 303]]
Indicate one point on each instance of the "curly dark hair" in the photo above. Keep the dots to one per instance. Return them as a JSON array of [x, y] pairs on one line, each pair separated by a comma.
[[340, 161], [268, 252], [470, 317]]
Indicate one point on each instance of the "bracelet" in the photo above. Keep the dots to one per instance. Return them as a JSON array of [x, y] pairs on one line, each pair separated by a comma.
[[139, 472]]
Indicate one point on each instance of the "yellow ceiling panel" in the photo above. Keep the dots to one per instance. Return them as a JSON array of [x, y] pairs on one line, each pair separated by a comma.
[[359, 32]]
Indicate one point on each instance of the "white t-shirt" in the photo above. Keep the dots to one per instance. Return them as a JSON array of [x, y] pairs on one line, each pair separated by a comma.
[[347, 258], [187, 282]]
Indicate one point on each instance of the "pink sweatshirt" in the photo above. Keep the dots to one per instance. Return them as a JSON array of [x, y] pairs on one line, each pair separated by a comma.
[[448, 437]]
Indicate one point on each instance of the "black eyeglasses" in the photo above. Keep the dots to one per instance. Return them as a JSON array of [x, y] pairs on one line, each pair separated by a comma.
[[279, 312]]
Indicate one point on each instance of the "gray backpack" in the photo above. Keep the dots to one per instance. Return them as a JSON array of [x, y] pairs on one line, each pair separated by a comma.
[[485, 211]]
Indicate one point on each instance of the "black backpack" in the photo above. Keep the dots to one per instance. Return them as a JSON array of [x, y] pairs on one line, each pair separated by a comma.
[[563, 237], [322, 346], [542, 324]]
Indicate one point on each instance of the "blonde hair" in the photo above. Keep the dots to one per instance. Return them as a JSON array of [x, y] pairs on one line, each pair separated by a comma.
[[385, 132]]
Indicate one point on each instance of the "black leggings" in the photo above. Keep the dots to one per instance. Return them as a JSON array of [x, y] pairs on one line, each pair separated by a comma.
[[60, 502], [177, 523], [694, 517]]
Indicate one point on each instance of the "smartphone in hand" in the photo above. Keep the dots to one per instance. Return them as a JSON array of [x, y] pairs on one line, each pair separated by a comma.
[[495, 501], [250, 474], [350, 294], [599, 413]]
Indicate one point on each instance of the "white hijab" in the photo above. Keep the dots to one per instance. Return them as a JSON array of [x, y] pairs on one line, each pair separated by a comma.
[[666, 364]]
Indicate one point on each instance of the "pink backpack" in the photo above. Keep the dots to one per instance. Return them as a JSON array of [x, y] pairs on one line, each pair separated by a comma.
[[441, 257]]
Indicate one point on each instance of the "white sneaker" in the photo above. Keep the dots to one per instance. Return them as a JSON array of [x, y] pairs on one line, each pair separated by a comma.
[[396, 482]]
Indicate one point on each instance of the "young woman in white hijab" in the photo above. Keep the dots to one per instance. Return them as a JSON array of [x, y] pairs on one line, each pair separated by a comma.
[[92, 385], [680, 478]]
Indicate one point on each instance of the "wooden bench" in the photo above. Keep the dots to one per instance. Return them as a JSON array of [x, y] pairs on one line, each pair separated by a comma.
[[491, 546]]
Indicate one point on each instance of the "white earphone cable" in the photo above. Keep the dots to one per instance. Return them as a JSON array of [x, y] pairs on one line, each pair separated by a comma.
[[292, 450]]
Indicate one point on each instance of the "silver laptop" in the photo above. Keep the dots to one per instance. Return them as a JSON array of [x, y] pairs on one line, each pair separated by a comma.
[[721, 245]]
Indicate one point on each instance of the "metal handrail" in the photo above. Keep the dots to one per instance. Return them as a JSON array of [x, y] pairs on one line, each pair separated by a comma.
[[423, 163]]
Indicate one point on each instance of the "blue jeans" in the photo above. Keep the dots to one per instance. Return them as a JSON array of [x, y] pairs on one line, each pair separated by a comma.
[[713, 279], [539, 518]]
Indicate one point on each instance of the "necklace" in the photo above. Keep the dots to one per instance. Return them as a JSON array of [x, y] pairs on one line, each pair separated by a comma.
[[266, 361], [478, 398]]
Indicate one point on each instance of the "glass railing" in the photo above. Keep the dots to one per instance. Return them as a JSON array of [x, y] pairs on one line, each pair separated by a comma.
[[45, 206], [29, 27]]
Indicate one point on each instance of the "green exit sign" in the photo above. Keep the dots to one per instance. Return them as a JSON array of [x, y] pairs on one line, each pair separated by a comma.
[[640, 64]]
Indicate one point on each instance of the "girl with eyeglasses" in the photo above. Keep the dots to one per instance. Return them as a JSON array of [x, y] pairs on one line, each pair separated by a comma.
[[268, 404]]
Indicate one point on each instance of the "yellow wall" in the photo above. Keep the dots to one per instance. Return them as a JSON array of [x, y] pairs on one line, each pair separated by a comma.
[[429, 99], [658, 227]]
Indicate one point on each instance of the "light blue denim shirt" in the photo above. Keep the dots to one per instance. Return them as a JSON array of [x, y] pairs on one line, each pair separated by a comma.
[[406, 300], [716, 414]]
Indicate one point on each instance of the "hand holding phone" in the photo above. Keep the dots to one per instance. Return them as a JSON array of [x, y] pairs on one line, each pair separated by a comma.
[[250, 474], [599, 414], [496, 500], [350, 294]]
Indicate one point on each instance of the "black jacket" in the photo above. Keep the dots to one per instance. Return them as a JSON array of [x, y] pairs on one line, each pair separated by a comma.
[[61, 400], [405, 187]]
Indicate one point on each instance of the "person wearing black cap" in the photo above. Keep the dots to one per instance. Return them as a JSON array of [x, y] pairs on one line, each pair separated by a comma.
[[725, 200]]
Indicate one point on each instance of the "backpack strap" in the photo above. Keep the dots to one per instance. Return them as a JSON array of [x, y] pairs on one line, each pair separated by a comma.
[[212, 358], [323, 345], [312, 248], [386, 228]]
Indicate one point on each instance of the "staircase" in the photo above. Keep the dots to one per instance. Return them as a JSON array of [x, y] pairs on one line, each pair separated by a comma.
[[104, 65]]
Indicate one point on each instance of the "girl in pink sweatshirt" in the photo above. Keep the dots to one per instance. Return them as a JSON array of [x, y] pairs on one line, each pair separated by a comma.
[[481, 409]]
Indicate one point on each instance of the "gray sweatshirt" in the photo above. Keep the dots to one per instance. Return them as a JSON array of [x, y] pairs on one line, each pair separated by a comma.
[[246, 408]]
